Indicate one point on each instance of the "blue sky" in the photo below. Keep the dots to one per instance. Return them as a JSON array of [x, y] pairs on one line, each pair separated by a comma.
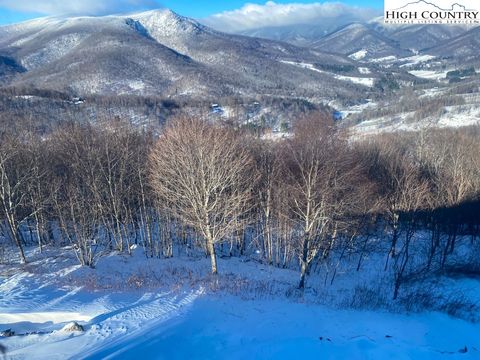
[[12, 11]]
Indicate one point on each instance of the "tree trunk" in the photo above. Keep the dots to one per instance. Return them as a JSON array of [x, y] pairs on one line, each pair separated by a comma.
[[16, 238], [303, 272], [392, 252], [304, 262], [39, 232], [396, 287], [213, 256]]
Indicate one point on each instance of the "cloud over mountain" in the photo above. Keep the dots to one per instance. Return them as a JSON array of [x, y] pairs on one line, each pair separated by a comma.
[[272, 14]]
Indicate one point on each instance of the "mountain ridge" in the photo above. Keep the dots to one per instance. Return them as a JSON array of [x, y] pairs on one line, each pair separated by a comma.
[[159, 52]]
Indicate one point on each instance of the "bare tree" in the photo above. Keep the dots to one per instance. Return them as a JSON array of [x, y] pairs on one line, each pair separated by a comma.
[[268, 167], [399, 181], [319, 174], [116, 146], [205, 175], [16, 173], [450, 160]]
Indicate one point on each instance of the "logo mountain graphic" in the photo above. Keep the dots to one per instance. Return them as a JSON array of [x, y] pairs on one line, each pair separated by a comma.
[[434, 5]]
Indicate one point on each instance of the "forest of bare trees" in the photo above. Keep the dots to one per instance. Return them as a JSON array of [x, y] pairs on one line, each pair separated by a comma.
[[217, 189]]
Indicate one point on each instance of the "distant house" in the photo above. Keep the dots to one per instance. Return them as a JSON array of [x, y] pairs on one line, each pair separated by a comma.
[[217, 109], [78, 100]]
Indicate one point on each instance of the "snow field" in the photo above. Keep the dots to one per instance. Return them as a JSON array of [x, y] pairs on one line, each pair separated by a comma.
[[132, 307]]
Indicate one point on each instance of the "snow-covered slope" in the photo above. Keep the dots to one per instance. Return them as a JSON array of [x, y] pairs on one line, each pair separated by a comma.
[[465, 112], [365, 81], [465, 46], [425, 36], [160, 53], [132, 307], [299, 34], [359, 37]]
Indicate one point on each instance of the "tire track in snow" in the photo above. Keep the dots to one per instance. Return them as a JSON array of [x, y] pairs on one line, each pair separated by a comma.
[[122, 326]]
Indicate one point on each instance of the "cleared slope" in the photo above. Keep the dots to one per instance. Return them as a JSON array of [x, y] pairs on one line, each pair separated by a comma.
[[131, 306]]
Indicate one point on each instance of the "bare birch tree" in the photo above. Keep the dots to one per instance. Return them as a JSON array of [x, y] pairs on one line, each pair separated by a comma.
[[205, 175], [16, 173], [318, 175]]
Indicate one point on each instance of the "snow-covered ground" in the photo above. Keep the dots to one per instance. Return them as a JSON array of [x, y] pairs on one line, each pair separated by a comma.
[[356, 80], [386, 59], [359, 55], [435, 91], [430, 74], [452, 117], [229, 328], [369, 82], [364, 70], [416, 59], [132, 307], [355, 109]]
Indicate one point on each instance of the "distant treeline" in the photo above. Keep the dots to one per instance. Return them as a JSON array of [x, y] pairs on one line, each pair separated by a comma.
[[42, 110]]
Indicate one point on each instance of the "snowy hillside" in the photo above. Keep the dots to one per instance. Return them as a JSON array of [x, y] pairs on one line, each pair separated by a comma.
[[131, 305], [160, 53], [359, 37], [439, 105]]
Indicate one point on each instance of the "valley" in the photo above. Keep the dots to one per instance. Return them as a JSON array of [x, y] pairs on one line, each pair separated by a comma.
[[177, 63]]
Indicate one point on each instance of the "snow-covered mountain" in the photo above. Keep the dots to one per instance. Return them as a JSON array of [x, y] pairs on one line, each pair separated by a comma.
[[302, 34], [420, 37], [464, 47], [347, 36], [161, 53], [359, 37]]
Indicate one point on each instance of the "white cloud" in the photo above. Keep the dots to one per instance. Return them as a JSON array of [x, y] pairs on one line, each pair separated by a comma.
[[76, 7], [254, 16]]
